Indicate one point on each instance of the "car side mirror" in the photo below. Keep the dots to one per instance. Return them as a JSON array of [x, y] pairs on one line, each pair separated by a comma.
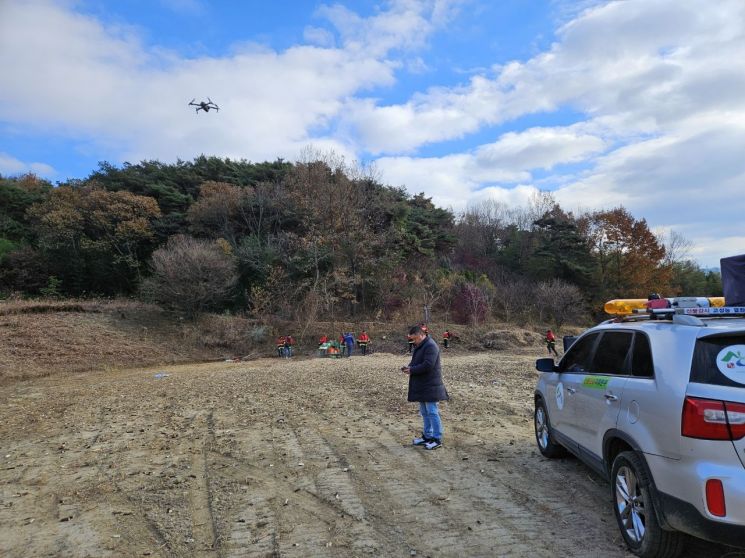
[[545, 365]]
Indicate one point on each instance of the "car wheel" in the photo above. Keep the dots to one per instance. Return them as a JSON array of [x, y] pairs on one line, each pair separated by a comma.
[[634, 510], [543, 437]]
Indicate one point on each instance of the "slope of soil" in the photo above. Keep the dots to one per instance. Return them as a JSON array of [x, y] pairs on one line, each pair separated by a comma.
[[43, 338], [48, 338], [295, 458]]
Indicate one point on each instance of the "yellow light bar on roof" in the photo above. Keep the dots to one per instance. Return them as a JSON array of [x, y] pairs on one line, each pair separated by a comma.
[[628, 306], [624, 306]]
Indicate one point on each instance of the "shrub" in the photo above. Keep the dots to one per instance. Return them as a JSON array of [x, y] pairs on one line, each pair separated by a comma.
[[191, 275]]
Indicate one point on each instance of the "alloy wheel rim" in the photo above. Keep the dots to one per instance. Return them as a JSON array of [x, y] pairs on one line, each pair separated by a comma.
[[630, 504], [541, 427]]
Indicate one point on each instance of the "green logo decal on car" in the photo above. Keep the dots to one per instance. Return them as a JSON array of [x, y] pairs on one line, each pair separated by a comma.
[[595, 382], [731, 363]]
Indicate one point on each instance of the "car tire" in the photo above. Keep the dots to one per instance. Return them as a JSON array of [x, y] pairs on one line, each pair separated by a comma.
[[633, 506], [543, 436]]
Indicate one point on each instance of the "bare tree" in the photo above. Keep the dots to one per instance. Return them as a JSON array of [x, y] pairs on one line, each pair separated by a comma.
[[559, 301], [677, 247], [191, 275], [512, 297]]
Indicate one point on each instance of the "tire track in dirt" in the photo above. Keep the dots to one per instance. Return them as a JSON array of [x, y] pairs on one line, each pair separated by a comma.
[[251, 525], [313, 509], [200, 498], [251, 459], [134, 517], [428, 507], [331, 482], [488, 516]]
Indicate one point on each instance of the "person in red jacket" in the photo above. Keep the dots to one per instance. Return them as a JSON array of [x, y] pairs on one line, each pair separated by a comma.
[[446, 338], [551, 342], [281, 340], [323, 339], [362, 340]]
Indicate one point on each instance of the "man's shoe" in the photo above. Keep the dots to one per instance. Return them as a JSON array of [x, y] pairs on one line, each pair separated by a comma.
[[432, 444], [420, 441]]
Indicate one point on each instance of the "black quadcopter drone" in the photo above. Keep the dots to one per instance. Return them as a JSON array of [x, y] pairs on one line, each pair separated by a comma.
[[205, 105]]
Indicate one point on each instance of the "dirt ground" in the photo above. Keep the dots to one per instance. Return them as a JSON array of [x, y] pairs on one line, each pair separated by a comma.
[[291, 458]]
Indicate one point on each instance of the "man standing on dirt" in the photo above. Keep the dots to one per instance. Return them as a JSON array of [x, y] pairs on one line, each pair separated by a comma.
[[362, 340], [289, 344], [349, 342], [446, 338], [426, 386]]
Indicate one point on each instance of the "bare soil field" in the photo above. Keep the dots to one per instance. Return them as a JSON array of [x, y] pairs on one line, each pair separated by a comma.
[[294, 458]]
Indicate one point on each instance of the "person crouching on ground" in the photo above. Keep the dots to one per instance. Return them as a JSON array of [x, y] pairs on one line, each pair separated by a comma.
[[426, 386]]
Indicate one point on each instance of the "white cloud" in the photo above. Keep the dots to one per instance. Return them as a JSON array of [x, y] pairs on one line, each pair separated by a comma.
[[539, 148], [657, 86], [319, 36], [454, 179], [406, 24], [10, 165], [69, 74], [664, 61], [710, 248], [443, 179]]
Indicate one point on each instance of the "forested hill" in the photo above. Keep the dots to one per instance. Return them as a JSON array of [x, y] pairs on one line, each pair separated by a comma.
[[322, 240]]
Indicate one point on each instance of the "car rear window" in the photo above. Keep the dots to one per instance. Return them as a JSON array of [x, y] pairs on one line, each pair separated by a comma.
[[719, 361]]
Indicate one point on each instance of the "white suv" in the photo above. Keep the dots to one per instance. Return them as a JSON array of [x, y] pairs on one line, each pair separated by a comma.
[[657, 406]]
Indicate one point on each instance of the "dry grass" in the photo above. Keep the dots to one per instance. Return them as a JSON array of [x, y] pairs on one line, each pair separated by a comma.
[[45, 337], [40, 307], [40, 338]]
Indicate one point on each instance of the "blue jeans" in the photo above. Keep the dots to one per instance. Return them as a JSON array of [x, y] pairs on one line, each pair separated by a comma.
[[431, 417]]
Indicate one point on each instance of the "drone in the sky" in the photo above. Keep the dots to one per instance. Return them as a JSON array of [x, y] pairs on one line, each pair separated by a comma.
[[204, 105]]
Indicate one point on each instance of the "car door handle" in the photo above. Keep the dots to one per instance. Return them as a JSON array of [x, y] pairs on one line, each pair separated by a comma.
[[571, 390], [611, 397]]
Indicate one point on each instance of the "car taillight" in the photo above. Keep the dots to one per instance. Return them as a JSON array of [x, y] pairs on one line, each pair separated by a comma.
[[710, 419]]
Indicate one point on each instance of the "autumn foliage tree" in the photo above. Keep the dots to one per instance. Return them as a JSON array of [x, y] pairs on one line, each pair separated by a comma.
[[630, 258], [324, 239], [95, 240]]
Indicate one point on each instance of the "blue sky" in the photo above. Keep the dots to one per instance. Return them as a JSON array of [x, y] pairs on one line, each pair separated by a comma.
[[640, 102]]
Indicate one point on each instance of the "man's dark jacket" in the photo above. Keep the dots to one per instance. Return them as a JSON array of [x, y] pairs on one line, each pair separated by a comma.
[[425, 381]]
